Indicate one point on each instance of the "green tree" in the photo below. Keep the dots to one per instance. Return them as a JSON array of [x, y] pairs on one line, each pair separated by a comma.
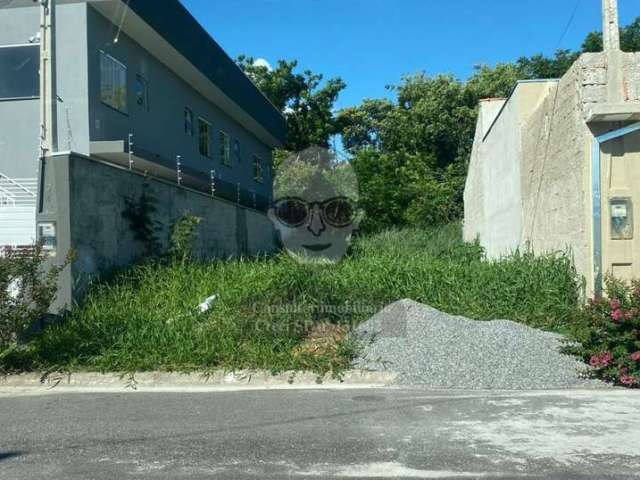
[[629, 39], [411, 154], [304, 99]]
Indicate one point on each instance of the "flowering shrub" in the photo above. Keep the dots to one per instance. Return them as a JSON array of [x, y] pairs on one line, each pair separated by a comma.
[[610, 334]]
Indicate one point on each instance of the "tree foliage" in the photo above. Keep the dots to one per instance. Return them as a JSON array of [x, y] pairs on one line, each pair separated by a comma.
[[411, 153], [303, 98]]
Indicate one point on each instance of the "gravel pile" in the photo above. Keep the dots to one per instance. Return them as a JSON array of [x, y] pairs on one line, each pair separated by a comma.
[[428, 347]]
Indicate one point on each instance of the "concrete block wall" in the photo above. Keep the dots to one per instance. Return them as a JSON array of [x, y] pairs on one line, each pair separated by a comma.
[[631, 77], [557, 164], [86, 199]]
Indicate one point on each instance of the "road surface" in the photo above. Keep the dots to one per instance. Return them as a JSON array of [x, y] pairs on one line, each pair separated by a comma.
[[318, 433]]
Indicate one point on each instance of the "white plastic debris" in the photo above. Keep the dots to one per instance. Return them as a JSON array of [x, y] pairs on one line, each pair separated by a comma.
[[14, 289], [207, 304]]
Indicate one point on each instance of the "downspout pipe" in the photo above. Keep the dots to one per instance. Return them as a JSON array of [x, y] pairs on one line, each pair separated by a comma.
[[596, 198]]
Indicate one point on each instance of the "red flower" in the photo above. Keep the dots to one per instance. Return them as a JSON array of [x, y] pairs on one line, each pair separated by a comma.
[[635, 356], [617, 316], [595, 361], [615, 304], [628, 380]]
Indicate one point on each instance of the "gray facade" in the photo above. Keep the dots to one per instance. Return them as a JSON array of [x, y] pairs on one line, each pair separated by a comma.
[[86, 29], [112, 147], [159, 129], [20, 119]]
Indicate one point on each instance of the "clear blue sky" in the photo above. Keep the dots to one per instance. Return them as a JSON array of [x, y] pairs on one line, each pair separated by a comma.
[[372, 43]]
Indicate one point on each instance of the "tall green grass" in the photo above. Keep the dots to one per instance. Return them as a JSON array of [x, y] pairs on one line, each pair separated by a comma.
[[146, 318]]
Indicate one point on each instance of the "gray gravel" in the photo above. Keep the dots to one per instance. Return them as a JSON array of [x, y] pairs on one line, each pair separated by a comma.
[[428, 347]]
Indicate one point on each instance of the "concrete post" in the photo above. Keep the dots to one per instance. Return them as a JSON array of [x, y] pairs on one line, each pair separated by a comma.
[[611, 37], [48, 82], [611, 27]]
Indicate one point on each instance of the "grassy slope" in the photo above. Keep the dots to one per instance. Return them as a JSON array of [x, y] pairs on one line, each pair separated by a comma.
[[146, 318]]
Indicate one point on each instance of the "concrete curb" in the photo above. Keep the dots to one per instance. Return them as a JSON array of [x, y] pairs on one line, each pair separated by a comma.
[[197, 381]]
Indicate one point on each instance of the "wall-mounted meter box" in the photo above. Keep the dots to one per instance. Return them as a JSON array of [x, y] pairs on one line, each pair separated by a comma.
[[47, 236], [621, 212]]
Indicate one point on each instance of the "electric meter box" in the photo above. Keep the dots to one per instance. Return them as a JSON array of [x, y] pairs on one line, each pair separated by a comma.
[[621, 212]]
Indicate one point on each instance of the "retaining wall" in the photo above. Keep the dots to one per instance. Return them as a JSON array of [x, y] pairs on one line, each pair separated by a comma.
[[86, 200]]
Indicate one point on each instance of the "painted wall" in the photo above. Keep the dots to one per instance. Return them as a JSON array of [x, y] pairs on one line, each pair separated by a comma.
[[19, 120], [161, 129], [474, 192], [89, 219], [493, 195]]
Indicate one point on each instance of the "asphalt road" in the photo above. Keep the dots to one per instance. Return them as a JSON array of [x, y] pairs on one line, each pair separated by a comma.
[[374, 433]]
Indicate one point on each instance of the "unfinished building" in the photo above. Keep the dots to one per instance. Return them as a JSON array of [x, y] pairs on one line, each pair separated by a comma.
[[556, 166]]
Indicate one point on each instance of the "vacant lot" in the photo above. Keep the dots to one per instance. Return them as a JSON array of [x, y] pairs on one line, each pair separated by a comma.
[[147, 317]]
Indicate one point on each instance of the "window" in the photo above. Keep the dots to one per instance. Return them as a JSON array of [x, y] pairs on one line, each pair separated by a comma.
[[113, 83], [19, 72], [225, 149], [142, 93], [204, 137], [188, 121], [257, 169], [236, 150]]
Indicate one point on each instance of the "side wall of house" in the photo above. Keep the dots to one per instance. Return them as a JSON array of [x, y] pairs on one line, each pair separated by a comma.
[[494, 190], [556, 165], [20, 119], [89, 219], [474, 225], [160, 128]]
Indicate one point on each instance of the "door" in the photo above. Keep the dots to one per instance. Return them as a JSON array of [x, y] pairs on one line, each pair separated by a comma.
[[621, 206]]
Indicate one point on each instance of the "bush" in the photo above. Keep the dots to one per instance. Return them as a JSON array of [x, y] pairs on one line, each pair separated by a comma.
[[26, 291], [609, 332]]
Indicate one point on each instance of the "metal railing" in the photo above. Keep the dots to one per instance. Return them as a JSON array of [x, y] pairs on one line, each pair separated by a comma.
[[18, 192]]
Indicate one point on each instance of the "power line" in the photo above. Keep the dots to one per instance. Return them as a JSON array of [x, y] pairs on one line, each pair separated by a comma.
[[569, 23]]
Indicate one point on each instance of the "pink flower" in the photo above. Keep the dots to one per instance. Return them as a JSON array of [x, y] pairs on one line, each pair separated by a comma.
[[601, 361], [617, 315], [605, 359], [615, 304], [635, 356], [628, 380]]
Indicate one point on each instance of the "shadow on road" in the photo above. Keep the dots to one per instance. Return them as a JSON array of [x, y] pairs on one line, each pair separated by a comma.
[[8, 455]]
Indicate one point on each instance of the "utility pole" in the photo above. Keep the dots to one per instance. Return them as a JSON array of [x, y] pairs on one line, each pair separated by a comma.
[[611, 37], [48, 87]]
